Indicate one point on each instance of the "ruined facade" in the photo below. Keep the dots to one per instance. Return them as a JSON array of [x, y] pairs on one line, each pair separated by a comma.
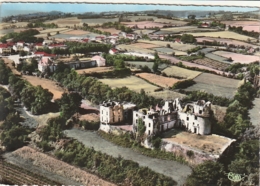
[[194, 117]]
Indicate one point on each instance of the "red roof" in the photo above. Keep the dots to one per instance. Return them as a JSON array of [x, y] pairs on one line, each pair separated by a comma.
[[114, 34], [38, 44], [10, 44], [178, 40], [57, 44], [44, 54], [130, 35], [114, 50], [3, 45], [85, 40], [20, 42]]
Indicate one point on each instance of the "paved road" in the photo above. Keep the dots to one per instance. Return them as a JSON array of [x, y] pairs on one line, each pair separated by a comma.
[[254, 113], [175, 170]]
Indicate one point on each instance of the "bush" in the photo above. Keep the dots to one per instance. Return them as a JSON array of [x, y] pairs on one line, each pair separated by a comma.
[[89, 125], [183, 84], [190, 153], [44, 145]]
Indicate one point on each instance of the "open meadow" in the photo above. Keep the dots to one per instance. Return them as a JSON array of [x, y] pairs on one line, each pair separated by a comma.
[[158, 80], [227, 41], [139, 64], [214, 84], [63, 22], [247, 25], [181, 72], [46, 84], [167, 95], [238, 58], [111, 30], [179, 29], [175, 46], [144, 24], [98, 21], [94, 70], [134, 48], [132, 82], [223, 34], [218, 58], [169, 51], [170, 21]]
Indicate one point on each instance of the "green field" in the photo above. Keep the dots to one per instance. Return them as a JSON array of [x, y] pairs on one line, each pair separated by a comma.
[[181, 72], [132, 82]]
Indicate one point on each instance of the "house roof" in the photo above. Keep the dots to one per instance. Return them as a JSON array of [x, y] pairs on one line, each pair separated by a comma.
[[20, 42], [38, 44], [57, 45], [45, 61], [4, 46], [114, 50], [98, 58], [44, 54]]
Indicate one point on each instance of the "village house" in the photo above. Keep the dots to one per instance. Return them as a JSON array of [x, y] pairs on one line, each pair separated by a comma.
[[156, 37], [113, 51], [101, 62], [5, 49], [39, 46]]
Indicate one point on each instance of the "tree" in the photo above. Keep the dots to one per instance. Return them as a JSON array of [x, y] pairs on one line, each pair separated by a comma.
[[119, 64], [205, 174], [155, 66]]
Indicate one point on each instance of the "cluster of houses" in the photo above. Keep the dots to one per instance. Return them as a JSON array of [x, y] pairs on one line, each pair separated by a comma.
[[194, 117]]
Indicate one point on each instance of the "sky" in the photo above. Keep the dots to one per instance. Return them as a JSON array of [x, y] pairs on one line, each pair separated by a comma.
[[8, 9]]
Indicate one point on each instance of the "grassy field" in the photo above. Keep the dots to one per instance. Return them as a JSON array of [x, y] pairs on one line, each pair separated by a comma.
[[135, 48], [138, 64], [144, 31], [53, 31], [175, 46], [132, 82], [47, 84], [95, 69], [185, 29], [144, 24], [214, 84], [98, 21], [167, 95], [63, 22], [169, 51], [237, 58], [181, 72], [223, 34], [134, 18], [158, 80], [170, 21]]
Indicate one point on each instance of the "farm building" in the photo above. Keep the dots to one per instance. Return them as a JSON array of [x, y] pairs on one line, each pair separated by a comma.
[[5, 49], [101, 62]]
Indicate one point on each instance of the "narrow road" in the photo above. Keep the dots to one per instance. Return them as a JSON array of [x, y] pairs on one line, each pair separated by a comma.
[[175, 170]]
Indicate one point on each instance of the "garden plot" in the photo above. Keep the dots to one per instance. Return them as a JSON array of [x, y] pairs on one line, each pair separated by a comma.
[[237, 58], [222, 34], [217, 58], [175, 46], [169, 51], [145, 45], [211, 63], [132, 82], [98, 21], [158, 80], [214, 84], [175, 71]]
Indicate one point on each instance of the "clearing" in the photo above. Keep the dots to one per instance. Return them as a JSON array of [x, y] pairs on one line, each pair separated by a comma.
[[223, 34], [212, 144], [173, 169], [46, 84], [158, 80], [131, 82], [175, 46], [238, 58], [181, 72]]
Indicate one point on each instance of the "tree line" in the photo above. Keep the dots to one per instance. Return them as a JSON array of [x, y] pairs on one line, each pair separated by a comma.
[[26, 36]]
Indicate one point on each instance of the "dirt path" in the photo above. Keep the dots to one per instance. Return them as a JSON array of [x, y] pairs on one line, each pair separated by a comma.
[[175, 170]]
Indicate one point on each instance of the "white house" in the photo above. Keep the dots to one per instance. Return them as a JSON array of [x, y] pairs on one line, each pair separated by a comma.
[[113, 51], [101, 62]]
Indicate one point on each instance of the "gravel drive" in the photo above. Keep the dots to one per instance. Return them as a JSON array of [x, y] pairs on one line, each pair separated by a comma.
[[175, 170]]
